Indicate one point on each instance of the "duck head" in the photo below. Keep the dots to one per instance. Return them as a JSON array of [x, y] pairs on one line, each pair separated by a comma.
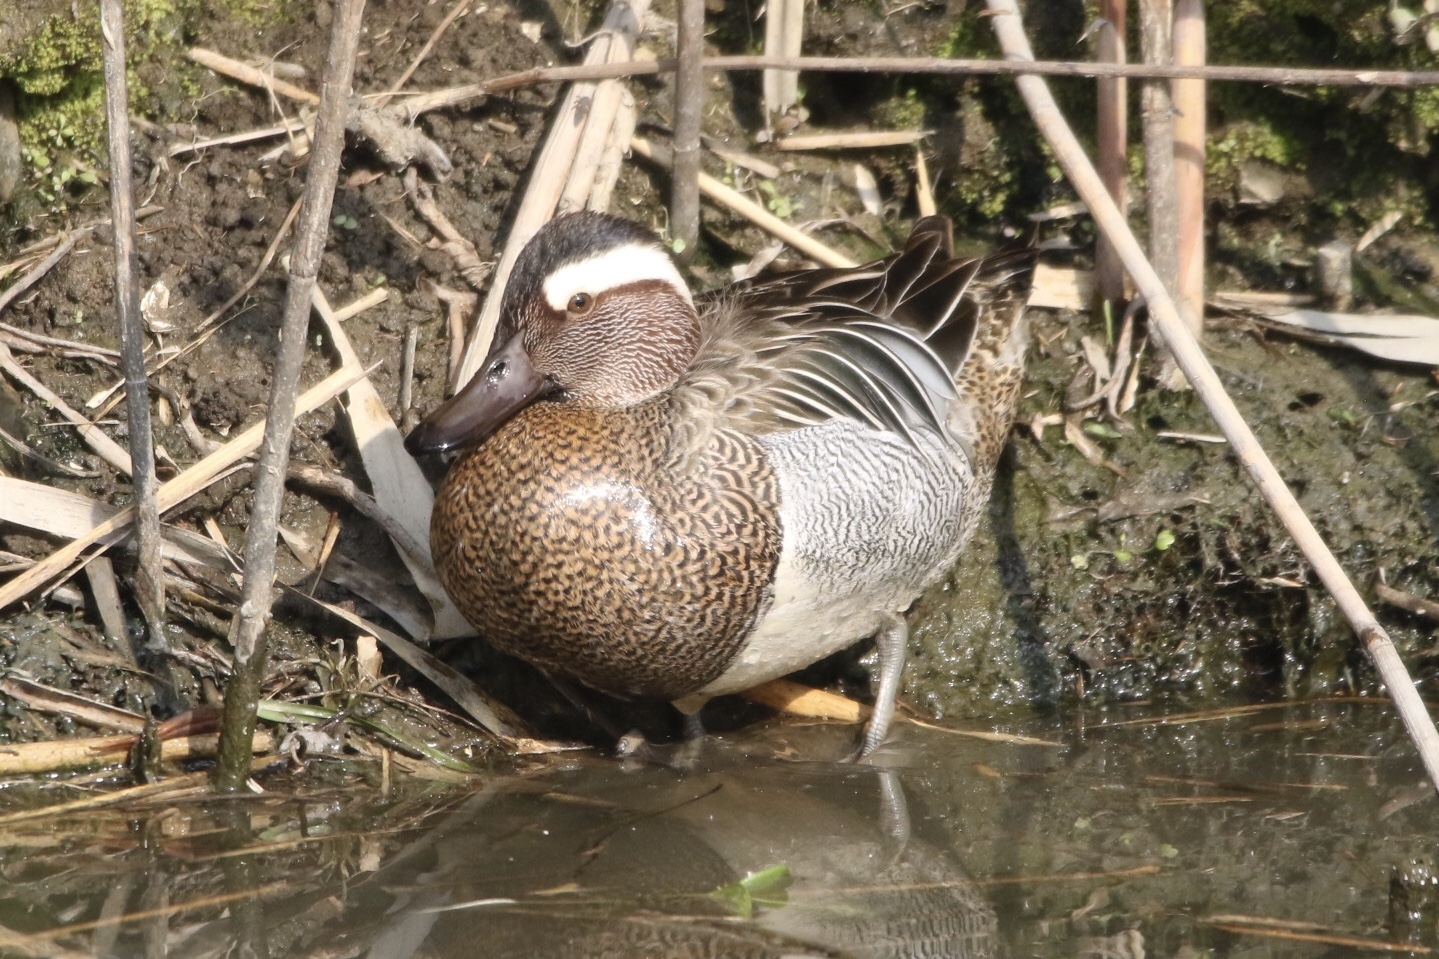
[[595, 313]]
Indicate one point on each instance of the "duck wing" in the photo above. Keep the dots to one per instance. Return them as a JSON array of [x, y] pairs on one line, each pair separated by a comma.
[[882, 344]]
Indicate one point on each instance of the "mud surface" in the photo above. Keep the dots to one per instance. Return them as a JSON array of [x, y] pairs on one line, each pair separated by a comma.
[[1161, 575]]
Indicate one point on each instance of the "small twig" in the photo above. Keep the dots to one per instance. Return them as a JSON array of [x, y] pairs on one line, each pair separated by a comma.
[[243, 72], [452, 241], [1408, 602], [455, 12], [318, 480], [750, 210], [857, 140], [247, 632], [149, 579], [689, 92], [1190, 357]]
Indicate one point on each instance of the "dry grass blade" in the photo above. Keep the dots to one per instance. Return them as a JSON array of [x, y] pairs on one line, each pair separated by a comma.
[[170, 494], [45, 699], [1307, 932], [1190, 358], [783, 38], [400, 488], [1399, 339], [94, 437], [43, 267], [58, 512], [495, 718]]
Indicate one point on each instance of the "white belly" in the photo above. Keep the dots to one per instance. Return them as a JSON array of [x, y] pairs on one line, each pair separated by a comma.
[[868, 523]]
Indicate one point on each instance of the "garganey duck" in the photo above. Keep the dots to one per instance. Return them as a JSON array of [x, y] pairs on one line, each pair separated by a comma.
[[673, 497]]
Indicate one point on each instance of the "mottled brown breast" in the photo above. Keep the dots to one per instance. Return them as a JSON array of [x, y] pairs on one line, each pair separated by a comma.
[[573, 540]]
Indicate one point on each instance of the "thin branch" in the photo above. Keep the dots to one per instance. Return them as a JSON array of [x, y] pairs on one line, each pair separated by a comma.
[[689, 90], [1279, 76], [1190, 357], [149, 580], [439, 31], [247, 632]]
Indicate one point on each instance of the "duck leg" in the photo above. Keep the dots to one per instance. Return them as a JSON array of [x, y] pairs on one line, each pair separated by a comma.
[[892, 641]]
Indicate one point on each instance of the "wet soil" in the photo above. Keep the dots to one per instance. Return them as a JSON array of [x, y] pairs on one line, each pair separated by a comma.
[[1161, 576]]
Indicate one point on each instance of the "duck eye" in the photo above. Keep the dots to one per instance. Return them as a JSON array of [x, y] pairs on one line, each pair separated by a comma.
[[581, 303]]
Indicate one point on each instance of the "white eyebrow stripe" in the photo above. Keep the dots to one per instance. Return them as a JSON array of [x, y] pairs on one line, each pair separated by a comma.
[[632, 263]]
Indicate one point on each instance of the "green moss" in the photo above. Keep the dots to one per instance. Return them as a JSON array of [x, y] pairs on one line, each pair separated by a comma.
[[1237, 143], [58, 70]]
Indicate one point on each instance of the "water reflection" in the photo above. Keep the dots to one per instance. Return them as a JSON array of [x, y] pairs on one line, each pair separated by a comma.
[[1293, 831]]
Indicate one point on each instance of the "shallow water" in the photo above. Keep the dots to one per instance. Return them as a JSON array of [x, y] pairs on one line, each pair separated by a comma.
[[1298, 830]]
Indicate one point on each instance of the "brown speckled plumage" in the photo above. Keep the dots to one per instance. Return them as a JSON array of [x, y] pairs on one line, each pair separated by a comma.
[[674, 499], [574, 546]]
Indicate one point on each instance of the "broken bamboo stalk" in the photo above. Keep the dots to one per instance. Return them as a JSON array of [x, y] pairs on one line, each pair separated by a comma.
[[1189, 130], [1112, 144], [1009, 28]]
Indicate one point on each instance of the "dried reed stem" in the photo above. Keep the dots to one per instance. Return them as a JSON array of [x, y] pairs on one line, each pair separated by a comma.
[[420, 103], [149, 580], [247, 632], [550, 169], [689, 108], [1189, 129], [1112, 143], [1158, 118], [1190, 357]]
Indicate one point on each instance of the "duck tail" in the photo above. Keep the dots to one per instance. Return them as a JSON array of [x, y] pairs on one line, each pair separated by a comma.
[[988, 383]]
